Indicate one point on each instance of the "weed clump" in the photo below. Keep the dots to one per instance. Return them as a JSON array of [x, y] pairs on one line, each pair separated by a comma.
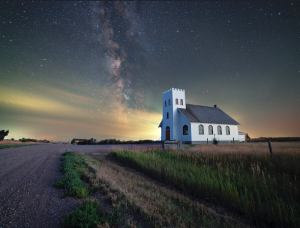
[[73, 167], [91, 214]]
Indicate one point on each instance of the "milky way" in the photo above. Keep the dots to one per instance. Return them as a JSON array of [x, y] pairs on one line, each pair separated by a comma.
[[98, 69]]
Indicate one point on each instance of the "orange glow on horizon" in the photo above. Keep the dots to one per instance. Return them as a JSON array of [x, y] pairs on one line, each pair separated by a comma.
[[46, 117]]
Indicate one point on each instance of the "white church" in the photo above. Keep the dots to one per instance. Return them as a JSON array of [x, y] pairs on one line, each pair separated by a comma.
[[195, 124]]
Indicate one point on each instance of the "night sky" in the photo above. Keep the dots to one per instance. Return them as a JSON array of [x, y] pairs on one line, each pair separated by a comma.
[[98, 69]]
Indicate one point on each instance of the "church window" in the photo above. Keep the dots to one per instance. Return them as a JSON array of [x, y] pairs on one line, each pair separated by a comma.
[[165, 103], [169, 102], [167, 115], [176, 101], [181, 102], [227, 130], [185, 130], [201, 130], [210, 130], [219, 130]]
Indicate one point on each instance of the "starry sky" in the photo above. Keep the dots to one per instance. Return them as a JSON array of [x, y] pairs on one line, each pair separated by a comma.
[[98, 69]]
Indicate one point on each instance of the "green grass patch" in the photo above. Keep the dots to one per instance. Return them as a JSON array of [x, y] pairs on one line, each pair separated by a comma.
[[260, 189], [91, 214], [15, 145], [188, 146], [73, 167]]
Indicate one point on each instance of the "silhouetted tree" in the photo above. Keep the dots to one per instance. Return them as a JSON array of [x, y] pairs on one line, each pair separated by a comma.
[[3, 133], [247, 137]]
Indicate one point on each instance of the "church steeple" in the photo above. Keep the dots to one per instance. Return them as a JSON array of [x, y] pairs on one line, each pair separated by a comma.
[[172, 99]]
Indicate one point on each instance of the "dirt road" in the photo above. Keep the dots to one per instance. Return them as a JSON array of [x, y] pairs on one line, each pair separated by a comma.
[[27, 198]]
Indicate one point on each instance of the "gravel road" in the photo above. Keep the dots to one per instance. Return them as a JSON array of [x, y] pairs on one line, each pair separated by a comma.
[[27, 198]]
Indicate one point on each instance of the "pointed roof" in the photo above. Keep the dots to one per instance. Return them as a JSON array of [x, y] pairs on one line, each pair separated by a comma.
[[204, 114], [161, 123]]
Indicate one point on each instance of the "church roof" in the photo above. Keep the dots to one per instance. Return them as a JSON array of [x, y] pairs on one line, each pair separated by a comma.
[[204, 114], [161, 123]]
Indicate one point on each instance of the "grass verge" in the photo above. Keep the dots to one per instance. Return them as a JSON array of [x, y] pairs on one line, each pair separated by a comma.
[[15, 145], [73, 167], [262, 190], [90, 213]]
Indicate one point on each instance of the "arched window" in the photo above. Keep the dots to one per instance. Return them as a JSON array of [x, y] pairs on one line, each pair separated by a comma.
[[167, 128], [210, 130], [227, 130], [169, 102], [219, 130], [201, 130], [185, 130], [167, 115], [177, 101], [165, 103], [181, 102]]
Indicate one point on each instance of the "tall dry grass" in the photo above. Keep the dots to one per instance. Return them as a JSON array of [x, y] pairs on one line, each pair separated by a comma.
[[161, 206], [14, 142], [241, 177], [238, 148]]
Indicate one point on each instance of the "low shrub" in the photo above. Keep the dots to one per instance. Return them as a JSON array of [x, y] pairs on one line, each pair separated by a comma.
[[215, 141]]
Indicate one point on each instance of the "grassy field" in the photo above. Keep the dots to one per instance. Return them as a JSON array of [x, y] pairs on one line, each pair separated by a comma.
[[159, 205], [13, 143], [230, 185], [242, 178]]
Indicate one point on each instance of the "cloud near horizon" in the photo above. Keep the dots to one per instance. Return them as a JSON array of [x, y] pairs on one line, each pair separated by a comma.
[[50, 115]]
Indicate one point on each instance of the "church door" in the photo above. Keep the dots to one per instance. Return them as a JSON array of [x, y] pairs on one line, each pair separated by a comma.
[[167, 133]]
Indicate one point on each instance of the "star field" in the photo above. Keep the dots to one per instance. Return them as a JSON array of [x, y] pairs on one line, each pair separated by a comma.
[[98, 69]]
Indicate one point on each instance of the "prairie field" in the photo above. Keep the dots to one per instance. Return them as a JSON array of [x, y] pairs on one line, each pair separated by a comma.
[[242, 178], [230, 185], [13, 142], [260, 147]]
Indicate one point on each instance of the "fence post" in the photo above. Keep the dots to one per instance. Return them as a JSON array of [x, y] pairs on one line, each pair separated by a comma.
[[270, 148], [233, 139], [207, 141]]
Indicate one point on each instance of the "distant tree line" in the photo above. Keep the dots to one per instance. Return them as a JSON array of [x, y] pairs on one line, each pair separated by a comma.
[[27, 140], [33, 140], [109, 141]]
